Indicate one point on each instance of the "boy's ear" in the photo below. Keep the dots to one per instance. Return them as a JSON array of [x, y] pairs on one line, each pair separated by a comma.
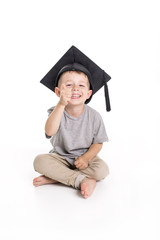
[[89, 94], [57, 91]]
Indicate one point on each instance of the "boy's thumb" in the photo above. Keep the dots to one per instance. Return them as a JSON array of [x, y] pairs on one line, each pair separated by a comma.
[[63, 86]]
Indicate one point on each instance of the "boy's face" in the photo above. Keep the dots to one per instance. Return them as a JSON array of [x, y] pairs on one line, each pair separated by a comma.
[[78, 84]]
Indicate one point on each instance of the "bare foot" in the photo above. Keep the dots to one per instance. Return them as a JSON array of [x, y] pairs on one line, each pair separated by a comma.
[[87, 187], [41, 180]]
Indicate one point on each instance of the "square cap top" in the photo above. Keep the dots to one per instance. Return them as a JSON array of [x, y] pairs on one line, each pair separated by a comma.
[[75, 60]]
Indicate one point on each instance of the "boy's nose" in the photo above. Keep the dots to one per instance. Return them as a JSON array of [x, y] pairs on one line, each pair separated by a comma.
[[75, 87]]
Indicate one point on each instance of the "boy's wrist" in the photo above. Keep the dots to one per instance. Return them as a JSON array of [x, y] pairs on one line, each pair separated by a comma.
[[59, 104], [92, 152], [86, 157]]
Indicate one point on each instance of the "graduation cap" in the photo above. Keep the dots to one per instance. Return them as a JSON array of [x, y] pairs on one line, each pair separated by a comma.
[[75, 60]]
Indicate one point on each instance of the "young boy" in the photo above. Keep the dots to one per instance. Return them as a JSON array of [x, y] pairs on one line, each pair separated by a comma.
[[77, 133]]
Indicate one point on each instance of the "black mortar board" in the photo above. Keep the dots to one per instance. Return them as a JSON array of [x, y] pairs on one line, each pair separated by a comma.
[[75, 60]]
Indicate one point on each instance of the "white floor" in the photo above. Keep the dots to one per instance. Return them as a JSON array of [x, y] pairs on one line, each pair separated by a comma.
[[124, 206]]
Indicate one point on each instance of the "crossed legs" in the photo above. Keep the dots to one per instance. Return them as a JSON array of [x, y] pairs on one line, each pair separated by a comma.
[[54, 168]]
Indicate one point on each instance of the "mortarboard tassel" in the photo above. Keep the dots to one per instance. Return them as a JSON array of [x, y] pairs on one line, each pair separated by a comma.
[[108, 106]]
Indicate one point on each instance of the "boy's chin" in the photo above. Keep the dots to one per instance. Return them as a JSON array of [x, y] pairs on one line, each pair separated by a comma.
[[73, 102]]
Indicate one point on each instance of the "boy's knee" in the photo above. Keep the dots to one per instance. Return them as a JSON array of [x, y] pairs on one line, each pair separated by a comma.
[[38, 162], [102, 172]]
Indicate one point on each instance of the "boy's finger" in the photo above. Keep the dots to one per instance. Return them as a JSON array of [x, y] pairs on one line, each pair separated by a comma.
[[75, 163], [78, 166], [63, 86]]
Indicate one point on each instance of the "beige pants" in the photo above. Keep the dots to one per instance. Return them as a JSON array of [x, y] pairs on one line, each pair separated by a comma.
[[56, 167]]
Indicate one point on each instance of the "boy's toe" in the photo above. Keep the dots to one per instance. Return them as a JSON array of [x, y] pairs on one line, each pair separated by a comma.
[[82, 192]]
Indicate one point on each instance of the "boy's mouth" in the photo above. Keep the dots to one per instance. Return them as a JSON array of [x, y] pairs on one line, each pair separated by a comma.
[[75, 96]]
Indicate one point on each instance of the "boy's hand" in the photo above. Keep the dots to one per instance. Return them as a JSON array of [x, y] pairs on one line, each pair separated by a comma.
[[81, 163], [65, 95]]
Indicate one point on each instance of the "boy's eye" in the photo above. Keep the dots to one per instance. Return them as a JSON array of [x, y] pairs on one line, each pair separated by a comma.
[[81, 85], [69, 85]]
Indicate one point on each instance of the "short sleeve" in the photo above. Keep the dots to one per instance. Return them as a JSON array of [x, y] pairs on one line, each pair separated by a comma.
[[47, 136], [100, 134], [50, 110]]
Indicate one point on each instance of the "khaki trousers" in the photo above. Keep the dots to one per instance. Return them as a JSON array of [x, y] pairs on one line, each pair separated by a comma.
[[54, 166]]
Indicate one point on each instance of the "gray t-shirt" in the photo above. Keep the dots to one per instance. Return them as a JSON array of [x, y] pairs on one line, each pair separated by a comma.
[[75, 135]]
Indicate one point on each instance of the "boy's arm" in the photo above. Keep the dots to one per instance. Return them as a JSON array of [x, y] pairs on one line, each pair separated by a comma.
[[54, 119], [92, 151], [82, 161]]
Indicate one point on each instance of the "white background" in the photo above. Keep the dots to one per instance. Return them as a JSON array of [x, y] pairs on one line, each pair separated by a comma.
[[123, 38]]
